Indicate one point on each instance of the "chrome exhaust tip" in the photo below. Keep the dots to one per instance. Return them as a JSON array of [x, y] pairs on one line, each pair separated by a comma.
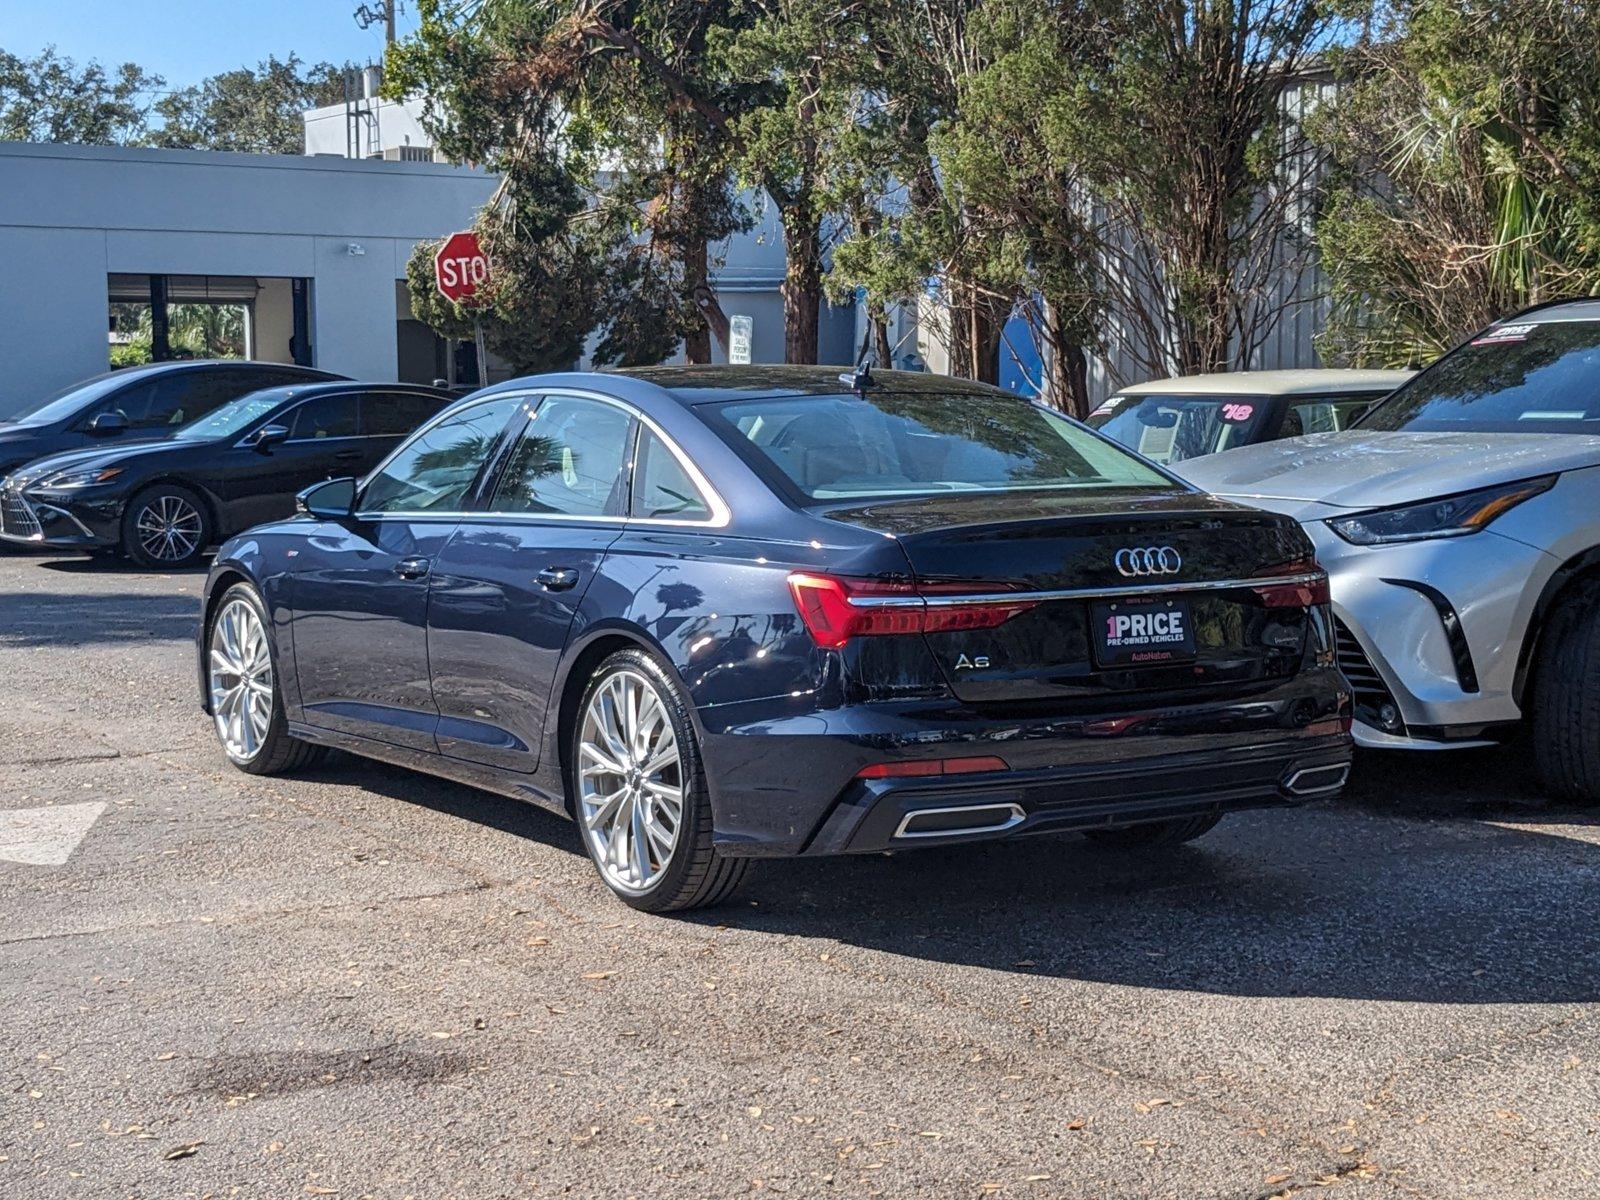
[[1314, 781], [961, 820]]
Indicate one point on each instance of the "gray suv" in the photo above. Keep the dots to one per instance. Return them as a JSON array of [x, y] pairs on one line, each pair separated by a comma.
[[1459, 522]]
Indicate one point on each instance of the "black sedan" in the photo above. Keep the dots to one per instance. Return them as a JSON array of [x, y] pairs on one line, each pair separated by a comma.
[[721, 614], [136, 403], [162, 503]]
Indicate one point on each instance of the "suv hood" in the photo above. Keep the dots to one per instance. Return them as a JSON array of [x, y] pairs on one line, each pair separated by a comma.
[[1377, 470]]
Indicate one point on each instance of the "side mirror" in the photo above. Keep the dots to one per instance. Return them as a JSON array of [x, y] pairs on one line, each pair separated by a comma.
[[108, 424], [269, 436], [332, 500]]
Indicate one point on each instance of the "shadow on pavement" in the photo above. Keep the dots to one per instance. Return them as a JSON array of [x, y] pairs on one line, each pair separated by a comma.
[[1426, 898], [107, 564], [36, 619]]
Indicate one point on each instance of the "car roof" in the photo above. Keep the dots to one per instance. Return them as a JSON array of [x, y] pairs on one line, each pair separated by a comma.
[[709, 384], [1272, 383], [1555, 310], [320, 387]]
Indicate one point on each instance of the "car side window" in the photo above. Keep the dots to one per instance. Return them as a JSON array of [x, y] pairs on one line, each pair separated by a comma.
[[1333, 414], [661, 486], [186, 396], [434, 471], [395, 414], [324, 417], [570, 458], [132, 402]]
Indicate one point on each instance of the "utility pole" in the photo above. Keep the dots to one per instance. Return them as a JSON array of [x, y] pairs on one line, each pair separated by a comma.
[[369, 15]]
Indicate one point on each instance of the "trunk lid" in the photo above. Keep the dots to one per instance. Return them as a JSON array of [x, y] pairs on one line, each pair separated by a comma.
[[1159, 599]]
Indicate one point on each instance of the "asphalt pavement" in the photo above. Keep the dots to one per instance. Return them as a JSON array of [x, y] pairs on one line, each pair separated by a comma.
[[365, 982]]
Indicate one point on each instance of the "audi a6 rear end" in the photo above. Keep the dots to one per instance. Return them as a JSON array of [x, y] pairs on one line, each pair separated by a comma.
[[789, 615]]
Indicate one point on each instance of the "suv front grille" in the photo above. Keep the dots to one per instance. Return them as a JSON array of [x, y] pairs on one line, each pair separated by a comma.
[[1373, 700], [17, 518]]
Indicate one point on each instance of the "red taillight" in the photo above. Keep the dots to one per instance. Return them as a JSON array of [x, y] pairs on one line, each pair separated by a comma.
[[933, 766], [1295, 595], [836, 609]]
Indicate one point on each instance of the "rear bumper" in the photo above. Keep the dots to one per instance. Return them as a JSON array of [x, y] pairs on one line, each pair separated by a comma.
[[787, 783], [880, 815]]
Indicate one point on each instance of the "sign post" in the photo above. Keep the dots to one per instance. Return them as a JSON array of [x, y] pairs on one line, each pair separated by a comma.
[[461, 272]]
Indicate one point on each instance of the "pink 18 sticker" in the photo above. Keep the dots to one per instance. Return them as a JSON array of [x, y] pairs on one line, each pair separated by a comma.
[[1237, 412]]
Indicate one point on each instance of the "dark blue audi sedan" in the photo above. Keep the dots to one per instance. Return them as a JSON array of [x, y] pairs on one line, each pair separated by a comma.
[[718, 614]]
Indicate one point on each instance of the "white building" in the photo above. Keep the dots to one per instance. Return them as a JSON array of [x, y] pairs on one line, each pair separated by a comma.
[[314, 249]]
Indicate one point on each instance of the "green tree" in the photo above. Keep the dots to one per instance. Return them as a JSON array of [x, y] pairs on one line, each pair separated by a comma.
[[1466, 148], [1188, 135], [254, 111], [49, 98], [1000, 149], [602, 161], [919, 222], [804, 72]]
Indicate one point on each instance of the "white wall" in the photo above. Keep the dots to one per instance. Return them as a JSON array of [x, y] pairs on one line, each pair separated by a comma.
[[71, 215], [393, 124]]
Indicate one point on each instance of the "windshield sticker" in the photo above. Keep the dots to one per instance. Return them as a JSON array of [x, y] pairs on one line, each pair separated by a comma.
[[1106, 409], [1238, 412], [1505, 334], [1556, 415]]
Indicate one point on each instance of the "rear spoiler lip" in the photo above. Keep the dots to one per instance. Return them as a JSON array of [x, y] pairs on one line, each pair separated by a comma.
[[1093, 593]]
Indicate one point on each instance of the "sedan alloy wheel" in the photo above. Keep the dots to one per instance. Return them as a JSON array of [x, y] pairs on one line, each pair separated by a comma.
[[241, 682], [630, 782], [169, 528]]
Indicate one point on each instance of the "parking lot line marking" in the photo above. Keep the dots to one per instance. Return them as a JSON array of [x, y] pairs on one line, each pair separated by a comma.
[[46, 837]]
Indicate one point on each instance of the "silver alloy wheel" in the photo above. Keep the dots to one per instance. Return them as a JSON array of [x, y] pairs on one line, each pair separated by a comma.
[[630, 782], [240, 677], [168, 528]]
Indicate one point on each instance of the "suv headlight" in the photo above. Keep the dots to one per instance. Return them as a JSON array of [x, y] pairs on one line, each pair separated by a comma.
[[81, 479], [1449, 516]]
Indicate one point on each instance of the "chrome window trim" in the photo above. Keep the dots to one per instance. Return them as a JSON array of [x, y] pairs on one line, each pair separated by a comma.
[[244, 443], [721, 514], [1100, 593]]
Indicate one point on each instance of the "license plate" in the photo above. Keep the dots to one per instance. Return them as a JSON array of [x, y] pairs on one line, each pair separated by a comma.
[[1145, 631]]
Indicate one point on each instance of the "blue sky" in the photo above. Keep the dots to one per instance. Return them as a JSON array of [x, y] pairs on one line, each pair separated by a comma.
[[186, 40]]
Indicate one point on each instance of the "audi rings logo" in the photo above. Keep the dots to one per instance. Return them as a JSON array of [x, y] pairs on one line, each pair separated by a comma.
[[1144, 561]]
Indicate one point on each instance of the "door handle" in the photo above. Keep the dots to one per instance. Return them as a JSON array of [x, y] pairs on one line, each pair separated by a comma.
[[557, 579], [347, 455], [411, 568]]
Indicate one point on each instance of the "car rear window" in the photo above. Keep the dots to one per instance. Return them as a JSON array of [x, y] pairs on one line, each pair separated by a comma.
[[1516, 378], [852, 446]]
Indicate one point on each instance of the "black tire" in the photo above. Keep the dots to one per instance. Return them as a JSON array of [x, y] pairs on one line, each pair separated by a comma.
[[278, 753], [696, 876], [148, 507], [1154, 833], [1566, 699]]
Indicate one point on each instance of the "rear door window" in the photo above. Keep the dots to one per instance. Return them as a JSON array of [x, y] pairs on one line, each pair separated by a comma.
[[570, 459], [395, 414], [324, 417]]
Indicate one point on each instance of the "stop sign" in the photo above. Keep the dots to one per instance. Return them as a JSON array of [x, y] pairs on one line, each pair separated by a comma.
[[461, 268]]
